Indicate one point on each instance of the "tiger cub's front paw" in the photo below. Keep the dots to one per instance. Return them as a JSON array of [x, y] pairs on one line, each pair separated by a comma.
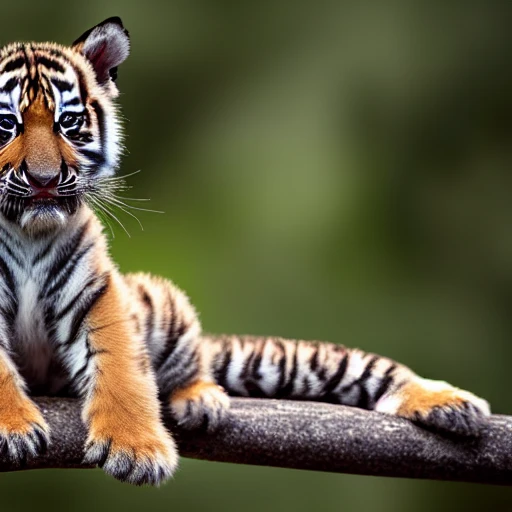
[[138, 456], [439, 406], [199, 405], [23, 431]]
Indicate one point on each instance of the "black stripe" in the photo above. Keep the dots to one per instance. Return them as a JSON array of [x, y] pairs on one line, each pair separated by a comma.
[[306, 387], [83, 138], [51, 64], [82, 370], [48, 318], [43, 253], [4, 343], [176, 329], [170, 341], [68, 269], [82, 387], [101, 121], [172, 322], [221, 371], [368, 370], [10, 310], [84, 309], [7, 275], [254, 390], [62, 85], [363, 399], [363, 402], [146, 299], [256, 365], [9, 85], [81, 85], [335, 380], [10, 251], [71, 102], [165, 356], [162, 358], [248, 365], [287, 389], [65, 254], [281, 366], [313, 363], [9, 314], [187, 370], [95, 156], [75, 299], [385, 383], [13, 64], [181, 331]]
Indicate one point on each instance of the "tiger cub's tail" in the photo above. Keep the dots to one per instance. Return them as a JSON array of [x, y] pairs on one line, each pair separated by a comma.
[[273, 367]]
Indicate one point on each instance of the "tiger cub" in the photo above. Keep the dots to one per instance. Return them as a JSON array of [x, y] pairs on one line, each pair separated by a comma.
[[130, 346]]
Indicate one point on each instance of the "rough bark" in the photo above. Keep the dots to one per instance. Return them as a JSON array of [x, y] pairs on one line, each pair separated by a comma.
[[315, 436]]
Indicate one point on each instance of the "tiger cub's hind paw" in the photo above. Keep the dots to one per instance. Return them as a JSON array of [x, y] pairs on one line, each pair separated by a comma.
[[199, 405], [438, 406]]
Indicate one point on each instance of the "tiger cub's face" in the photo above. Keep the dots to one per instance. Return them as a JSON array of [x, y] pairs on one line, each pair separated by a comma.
[[59, 134]]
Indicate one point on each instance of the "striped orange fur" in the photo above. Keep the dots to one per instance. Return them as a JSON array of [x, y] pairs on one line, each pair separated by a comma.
[[130, 346]]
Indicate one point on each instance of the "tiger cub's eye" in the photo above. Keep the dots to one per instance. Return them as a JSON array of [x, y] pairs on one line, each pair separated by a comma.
[[7, 123], [8, 128]]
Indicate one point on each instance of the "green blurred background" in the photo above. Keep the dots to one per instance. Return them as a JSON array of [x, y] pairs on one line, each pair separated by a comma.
[[328, 170]]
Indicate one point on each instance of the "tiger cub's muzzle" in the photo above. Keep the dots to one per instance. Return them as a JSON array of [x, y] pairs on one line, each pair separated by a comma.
[[47, 182]]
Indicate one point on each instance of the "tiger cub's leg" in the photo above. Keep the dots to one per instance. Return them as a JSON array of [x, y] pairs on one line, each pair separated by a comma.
[[126, 435], [279, 368], [172, 333], [23, 430]]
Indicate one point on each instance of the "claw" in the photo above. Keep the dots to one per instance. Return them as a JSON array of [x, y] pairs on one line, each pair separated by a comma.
[[142, 465], [18, 446], [200, 406]]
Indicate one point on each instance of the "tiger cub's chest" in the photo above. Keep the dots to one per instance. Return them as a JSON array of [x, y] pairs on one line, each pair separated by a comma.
[[47, 286], [32, 344], [45, 311]]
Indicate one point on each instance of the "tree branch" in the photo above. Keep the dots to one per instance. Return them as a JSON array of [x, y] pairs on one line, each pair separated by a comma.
[[306, 435]]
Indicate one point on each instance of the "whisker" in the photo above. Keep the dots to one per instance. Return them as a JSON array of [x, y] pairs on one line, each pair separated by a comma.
[[73, 194], [119, 202], [104, 219], [65, 188], [114, 178], [130, 198], [108, 212], [127, 212]]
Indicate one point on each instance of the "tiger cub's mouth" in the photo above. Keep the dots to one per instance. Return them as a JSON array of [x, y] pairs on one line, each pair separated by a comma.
[[40, 208], [43, 212], [39, 201], [47, 200]]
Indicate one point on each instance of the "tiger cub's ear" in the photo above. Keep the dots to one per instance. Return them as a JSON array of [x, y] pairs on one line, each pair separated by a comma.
[[106, 46]]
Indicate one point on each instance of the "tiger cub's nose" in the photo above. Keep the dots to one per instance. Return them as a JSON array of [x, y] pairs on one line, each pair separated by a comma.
[[42, 181], [44, 178]]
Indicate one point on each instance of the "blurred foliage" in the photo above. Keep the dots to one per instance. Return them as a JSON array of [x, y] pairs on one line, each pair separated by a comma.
[[329, 170]]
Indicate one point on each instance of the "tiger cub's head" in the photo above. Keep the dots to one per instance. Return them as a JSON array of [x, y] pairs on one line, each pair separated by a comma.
[[59, 132]]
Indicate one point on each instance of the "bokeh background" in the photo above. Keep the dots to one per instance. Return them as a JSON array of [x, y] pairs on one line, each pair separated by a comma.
[[328, 170]]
